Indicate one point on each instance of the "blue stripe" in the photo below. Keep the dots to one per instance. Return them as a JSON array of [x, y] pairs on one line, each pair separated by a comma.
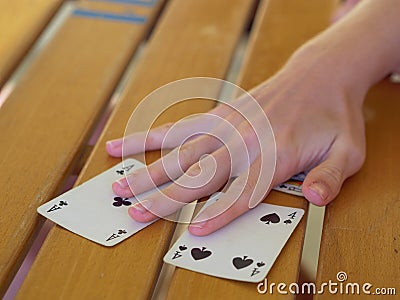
[[130, 18], [135, 2]]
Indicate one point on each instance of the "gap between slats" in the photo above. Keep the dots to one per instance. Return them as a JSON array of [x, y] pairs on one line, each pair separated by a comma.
[[311, 245], [47, 35]]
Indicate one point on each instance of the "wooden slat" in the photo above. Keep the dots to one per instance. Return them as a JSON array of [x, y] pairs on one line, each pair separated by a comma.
[[20, 23], [47, 119], [361, 234], [280, 28], [193, 38]]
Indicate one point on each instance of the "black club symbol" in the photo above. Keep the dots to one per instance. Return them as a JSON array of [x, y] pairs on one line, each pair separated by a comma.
[[121, 201]]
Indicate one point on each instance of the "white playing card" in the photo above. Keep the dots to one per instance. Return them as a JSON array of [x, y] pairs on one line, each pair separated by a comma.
[[93, 211], [243, 250], [293, 185]]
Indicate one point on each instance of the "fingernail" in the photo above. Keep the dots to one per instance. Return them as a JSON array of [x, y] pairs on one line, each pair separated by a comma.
[[200, 221], [139, 208], [319, 189], [199, 225], [123, 183], [114, 143], [143, 207]]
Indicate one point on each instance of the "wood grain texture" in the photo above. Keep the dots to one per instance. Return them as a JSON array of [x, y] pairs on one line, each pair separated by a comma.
[[361, 234], [46, 121], [280, 28], [20, 24], [192, 38]]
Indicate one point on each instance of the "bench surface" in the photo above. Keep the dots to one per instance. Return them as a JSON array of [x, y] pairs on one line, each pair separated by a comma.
[[48, 118], [20, 24]]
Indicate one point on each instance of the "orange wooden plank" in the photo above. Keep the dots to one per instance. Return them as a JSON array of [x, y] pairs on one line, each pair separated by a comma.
[[47, 119], [20, 24], [361, 234]]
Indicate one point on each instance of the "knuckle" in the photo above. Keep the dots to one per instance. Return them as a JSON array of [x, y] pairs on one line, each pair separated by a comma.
[[248, 134], [150, 139], [194, 170], [174, 196], [334, 173], [250, 185], [187, 154], [165, 127], [156, 174], [160, 134]]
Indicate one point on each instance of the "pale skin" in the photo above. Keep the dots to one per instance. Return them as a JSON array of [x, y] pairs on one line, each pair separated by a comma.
[[326, 80]]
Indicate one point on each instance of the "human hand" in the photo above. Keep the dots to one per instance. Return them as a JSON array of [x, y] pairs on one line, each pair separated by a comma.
[[318, 127]]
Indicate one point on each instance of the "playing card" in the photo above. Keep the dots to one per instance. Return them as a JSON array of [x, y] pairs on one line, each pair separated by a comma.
[[293, 185], [243, 250], [93, 211]]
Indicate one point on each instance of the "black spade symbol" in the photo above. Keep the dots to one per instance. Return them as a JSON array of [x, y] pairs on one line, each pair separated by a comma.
[[198, 253], [241, 263], [182, 248], [260, 264], [287, 222], [270, 218]]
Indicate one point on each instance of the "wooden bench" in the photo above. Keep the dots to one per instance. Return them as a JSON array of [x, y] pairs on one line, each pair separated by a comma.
[[48, 118], [20, 24], [46, 122]]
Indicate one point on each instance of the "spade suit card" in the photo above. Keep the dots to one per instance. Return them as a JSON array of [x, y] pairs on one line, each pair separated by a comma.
[[293, 185], [93, 211], [243, 250]]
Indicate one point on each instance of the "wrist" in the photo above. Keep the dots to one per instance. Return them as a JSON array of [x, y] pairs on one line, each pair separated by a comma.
[[329, 69], [359, 50]]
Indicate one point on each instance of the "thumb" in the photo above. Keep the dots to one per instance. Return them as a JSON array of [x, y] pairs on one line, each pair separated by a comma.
[[323, 183]]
